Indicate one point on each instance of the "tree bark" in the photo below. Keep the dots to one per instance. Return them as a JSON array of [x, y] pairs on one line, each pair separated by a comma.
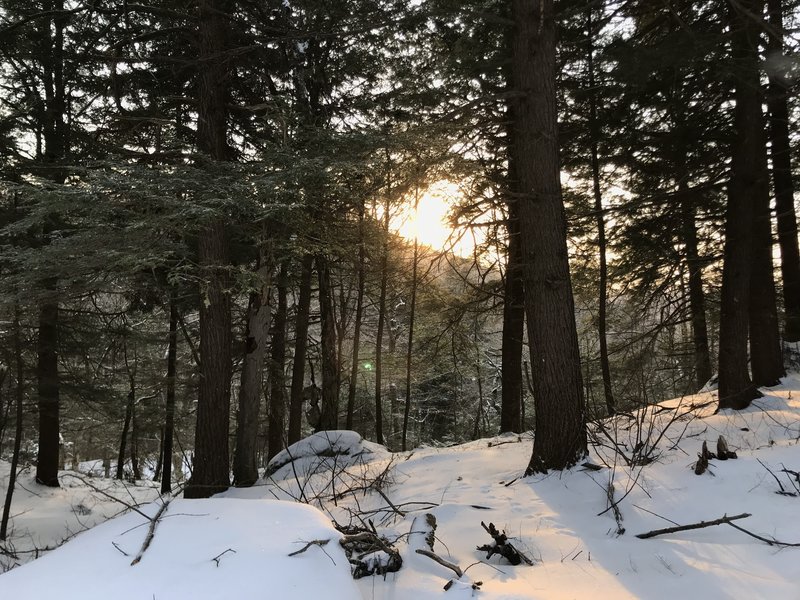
[[560, 434], [277, 379], [245, 462], [736, 389], [329, 418], [210, 472], [54, 130], [47, 459], [778, 110], [300, 348], [513, 324]]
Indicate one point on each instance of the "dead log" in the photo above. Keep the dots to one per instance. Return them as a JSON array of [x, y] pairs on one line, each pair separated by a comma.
[[702, 524]]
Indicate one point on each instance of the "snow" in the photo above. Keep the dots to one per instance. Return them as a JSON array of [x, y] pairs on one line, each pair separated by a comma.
[[559, 520]]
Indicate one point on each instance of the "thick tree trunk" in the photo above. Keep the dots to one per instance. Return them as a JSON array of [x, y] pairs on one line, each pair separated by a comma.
[[19, 397], [54, 130], [169, 420], [351, 387], [560, 434], [602, 304], [245, 461], [47, 459], [736, 389], [777, 103], [277, 388], [766, 356], [329, 418], [300, 348], [211, 467]]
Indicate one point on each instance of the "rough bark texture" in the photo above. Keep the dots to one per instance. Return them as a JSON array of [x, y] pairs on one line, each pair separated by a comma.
[[54, 131], [245, 461], [736, 389], [777, 103], [123, 438], [560, 436], [277, 379], [300, 347], [329, 418], [210, 471]]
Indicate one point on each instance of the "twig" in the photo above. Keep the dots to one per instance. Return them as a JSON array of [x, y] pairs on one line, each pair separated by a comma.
[[308, 545], [151, 532], [435, 557], [721, 521], [219, 556], [770, 541]]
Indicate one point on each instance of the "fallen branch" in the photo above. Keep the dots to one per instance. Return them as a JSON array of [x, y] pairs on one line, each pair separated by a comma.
[[502, 547], [435, 557], [219, 556], [308, 545], [721, 521], [151, 532]]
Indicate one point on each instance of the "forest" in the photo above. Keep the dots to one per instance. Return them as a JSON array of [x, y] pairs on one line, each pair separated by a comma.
[[210, 217]]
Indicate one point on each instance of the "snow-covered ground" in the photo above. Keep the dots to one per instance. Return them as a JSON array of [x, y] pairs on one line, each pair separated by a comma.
[[238, 545]]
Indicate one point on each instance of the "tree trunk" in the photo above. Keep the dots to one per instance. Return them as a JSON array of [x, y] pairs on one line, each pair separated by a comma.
[[351, 388], [54, 131], [697, 301], [19, 398], [381, 324], [329, 418], [736, 389], [412, 315], [602, 305], [513, 323], [300, 347], [123, 440], [777, 104], [169, 420], [210, 472], [47, 459], [560, 433], [245, 462], [277, 393]]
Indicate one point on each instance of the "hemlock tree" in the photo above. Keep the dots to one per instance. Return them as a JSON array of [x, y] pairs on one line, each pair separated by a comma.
[[560, 433], [210, 473]]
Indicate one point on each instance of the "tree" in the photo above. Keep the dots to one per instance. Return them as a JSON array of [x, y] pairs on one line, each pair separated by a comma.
[[560, 434], [210, 473]]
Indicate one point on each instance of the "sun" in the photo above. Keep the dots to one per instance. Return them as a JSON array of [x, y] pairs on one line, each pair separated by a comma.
[[429, 224]]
